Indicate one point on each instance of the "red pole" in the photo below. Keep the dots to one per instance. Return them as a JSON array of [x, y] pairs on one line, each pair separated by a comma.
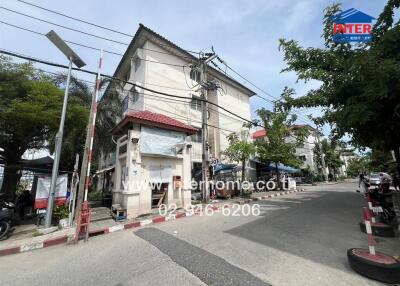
[[372, 214], [371, 241], [94, 112]]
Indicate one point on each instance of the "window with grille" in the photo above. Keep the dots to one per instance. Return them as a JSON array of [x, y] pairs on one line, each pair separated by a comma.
[[138, 61], [195, 75], [196, 137], [195, 103]]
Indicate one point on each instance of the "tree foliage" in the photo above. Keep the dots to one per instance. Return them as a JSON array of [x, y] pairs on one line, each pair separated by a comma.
[[30, 110], [331, 151], [240, 149], [283, 137], [360, 83], [109, 110], [372, 161]]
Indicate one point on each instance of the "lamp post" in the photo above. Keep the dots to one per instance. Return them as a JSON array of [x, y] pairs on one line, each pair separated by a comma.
[[73, 59]]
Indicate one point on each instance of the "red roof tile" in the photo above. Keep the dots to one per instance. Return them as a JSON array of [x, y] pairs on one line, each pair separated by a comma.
[[259, 134], [154, 119]]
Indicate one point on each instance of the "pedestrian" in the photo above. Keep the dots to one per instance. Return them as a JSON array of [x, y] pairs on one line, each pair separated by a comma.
[[384, 182], [363, 184]]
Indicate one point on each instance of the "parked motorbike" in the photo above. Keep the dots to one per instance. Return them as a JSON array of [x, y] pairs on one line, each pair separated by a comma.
[[7, 211], [388, 214]]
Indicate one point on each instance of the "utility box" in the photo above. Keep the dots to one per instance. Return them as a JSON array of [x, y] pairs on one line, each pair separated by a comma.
[[118, 213]]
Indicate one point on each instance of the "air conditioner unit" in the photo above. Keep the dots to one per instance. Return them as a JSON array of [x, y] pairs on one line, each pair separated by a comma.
[[179, 148]]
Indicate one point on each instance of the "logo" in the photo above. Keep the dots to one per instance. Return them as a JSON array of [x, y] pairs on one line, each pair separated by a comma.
[[352, 26]]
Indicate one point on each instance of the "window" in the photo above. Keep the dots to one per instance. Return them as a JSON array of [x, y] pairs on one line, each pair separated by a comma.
[[303, 158], [133, 95], [127, 75], [195, 75], [123, 177], [131, 98], [125, 103], [196, 137], [195, 103], [138, 61]]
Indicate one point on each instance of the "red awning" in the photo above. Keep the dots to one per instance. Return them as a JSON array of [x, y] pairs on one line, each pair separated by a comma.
[[153, 119]]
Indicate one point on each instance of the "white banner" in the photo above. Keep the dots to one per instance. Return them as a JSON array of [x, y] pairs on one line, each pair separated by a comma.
[[43, 189]]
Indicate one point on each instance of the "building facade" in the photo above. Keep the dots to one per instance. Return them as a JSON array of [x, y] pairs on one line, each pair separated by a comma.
[[153, 62]]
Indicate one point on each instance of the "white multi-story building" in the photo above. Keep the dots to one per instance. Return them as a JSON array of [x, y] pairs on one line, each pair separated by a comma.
[[305, 151], [153, 62]]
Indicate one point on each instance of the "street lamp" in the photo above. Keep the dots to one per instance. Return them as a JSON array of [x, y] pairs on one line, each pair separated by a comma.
[[73, 58]]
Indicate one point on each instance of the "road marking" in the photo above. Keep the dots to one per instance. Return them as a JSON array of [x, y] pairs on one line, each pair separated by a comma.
[[209, 268]]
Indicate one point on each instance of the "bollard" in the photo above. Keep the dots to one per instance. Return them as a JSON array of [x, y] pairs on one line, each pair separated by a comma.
[[371, 241]]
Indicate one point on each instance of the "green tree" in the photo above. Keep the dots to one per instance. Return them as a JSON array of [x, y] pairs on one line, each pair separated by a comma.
[[109, 111], [240, 149], [381, 161], [30, 110], [282, 137], [360, 83], [358, 166], [332, 156]]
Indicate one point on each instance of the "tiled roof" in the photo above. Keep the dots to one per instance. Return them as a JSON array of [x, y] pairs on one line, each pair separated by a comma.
[[153, 119], [262, 132], [259, 134], [186, 54]]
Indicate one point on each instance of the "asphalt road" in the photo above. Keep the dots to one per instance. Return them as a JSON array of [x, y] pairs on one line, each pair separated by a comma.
[[299, 239]]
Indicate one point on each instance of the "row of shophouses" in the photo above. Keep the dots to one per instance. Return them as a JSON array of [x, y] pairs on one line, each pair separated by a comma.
[[159, 137]]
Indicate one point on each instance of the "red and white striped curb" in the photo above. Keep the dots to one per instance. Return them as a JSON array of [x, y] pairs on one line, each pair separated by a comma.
[[197, 210], [65, 238], [278, 194], [34, 245]]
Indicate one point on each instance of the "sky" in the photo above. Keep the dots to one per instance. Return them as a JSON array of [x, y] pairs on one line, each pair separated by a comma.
[[244, 33]]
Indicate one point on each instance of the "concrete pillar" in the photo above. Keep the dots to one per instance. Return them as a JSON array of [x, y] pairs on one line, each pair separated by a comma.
[[186, 177]]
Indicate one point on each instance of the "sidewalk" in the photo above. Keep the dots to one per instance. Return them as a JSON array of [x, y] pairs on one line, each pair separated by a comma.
[[108, 225]]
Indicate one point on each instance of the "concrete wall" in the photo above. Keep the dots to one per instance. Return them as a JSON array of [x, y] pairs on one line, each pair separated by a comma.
[[133, 169], [236, 101], [170, 79], [307, 151]]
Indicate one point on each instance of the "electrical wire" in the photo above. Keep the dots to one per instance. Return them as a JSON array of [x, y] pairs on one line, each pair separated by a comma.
[[76, 19], [260, 89], [93, 83], [64, 27], [87, 22], [124, 81], [82, 32], [90, 47], [107, 39]]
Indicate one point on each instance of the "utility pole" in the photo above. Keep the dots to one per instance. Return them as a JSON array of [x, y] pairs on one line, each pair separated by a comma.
[[204, 133], [322, 157], [73, 59]]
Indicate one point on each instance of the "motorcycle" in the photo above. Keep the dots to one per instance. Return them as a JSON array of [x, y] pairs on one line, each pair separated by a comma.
[[388, 214], [7, 211]]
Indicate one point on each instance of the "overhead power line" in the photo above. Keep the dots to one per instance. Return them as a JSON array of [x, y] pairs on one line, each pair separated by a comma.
[[135, 85], [64, 27], [86, 22], [76, 19], [115, 53], [90, 82], [257, 87], [125, 34], [90, 47], [117, 79]]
